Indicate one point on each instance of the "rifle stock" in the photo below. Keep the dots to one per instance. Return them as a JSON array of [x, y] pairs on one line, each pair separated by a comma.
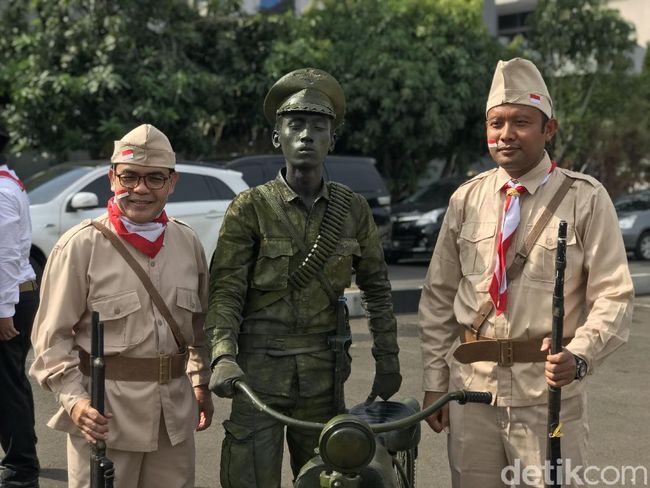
[[553, 442], [102, 472]]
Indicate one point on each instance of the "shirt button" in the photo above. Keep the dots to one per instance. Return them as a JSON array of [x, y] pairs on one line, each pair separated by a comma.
[[192, 305], [158, 322], [116, 310], [152, 264]]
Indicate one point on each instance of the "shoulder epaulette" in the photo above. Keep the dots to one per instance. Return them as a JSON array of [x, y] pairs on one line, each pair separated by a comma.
[[479, 177], [179, 221], [581, 176], [70, 233]]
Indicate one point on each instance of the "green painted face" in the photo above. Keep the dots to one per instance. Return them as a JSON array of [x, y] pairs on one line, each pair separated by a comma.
[[305, 138]]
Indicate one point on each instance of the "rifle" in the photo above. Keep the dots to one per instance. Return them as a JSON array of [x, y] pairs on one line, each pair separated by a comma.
[[553, 442], [340, 343], [102, 472]]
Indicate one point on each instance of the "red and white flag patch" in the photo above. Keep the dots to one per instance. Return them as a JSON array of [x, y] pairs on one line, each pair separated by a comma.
[[536, 99], [119, 194], [492, 144], [127, 155]]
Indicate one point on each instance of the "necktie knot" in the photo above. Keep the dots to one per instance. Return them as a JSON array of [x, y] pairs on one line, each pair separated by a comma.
[[513, 188]]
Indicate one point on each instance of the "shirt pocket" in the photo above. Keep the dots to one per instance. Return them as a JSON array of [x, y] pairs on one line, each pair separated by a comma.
[[187, 304], [339, 266], [117, 312], [272, 267], [476, 246], [540, 265]]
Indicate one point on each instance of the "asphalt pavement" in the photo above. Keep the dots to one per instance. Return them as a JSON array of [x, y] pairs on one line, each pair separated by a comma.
[[618, 409]]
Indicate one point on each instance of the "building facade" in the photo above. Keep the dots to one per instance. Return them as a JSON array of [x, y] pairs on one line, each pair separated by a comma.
[[507, 18]]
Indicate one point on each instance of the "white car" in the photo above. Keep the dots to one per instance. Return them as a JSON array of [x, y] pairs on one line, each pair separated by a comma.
[[64, 195]]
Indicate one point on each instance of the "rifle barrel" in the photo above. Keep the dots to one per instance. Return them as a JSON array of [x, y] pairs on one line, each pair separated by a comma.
[[553, 443]]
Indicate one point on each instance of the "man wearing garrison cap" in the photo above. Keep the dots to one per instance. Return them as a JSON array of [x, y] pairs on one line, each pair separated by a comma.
[[485, 314], [157, 365], [286, 253]]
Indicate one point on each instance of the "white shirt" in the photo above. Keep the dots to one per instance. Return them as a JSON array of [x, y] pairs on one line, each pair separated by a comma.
[[15, 242]]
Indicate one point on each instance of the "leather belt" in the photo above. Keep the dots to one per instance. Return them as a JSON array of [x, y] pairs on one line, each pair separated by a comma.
[[504, 352], [28, 286], [283, 344], [160, 369]]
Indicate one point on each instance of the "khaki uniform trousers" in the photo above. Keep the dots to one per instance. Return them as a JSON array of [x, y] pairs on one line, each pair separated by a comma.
[[484, 440], [168, 466]]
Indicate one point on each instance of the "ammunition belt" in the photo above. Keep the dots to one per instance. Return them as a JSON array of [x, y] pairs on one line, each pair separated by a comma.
[[159, 369], [283, 344], [328, 235]]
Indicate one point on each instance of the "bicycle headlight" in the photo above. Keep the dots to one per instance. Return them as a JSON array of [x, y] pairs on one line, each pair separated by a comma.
[[347, 444]]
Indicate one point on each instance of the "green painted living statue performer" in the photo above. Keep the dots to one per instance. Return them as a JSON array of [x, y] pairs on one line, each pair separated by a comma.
[[286, 253]]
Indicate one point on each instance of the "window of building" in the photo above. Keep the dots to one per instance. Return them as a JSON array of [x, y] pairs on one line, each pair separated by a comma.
[[509, 25], [276, 6]]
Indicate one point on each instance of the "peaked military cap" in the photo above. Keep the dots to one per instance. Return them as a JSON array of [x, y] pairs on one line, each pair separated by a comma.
[[145, 146], [306, 90], [519, 81]]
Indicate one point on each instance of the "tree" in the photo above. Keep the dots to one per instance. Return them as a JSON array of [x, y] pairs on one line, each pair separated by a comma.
[[416, 74], [584, 50], [77, 74]]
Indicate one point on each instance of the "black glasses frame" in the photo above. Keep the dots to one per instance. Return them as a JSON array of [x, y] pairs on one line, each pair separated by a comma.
[[152, 181]]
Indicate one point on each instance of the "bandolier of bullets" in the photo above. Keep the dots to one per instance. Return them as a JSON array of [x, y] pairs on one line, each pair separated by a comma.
[[327, 238]]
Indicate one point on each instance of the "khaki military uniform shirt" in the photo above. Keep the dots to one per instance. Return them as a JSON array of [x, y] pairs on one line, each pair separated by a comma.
[[85, 273], [597, 289], [255, 256]]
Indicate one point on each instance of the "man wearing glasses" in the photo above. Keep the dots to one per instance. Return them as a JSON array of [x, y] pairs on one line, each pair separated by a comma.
[[157, 365]]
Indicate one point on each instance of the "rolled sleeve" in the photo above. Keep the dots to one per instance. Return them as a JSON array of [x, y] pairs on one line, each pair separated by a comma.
[[372, 280]]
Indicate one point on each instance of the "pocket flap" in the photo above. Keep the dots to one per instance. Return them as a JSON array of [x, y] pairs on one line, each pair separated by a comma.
[[116, 306], [188, 299], [477, 231], [273, 247], [548, 238], [348, 246], [239, 432]]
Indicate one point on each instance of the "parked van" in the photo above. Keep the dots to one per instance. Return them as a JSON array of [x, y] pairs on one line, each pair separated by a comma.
[[358, 173]]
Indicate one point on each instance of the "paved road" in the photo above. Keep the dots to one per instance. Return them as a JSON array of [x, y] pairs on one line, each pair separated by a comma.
[[618, 409]]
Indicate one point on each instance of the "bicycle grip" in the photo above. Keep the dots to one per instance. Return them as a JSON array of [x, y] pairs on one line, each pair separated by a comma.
[[477, 397]]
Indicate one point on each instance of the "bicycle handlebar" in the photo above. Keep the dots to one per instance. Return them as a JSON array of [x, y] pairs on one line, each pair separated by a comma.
[[461, 396]]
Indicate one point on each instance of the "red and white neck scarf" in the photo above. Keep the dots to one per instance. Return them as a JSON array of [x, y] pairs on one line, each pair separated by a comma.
[[13, 177], [147, 238], [511, 217]]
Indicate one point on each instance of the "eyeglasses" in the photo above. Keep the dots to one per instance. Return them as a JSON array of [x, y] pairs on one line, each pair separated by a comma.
[[131, 180]]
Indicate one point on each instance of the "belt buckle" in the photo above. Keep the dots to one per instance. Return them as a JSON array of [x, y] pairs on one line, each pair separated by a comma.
[[506, 355], [276, 344], [164, 369]]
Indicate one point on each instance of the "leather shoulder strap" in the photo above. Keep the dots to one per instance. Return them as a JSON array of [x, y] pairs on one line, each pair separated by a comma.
[[146, 281], [517, 265], [518, 262]]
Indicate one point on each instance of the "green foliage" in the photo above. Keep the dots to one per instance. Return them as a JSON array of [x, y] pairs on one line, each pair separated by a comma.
[[584, 50], [415, 72], [81, 73]]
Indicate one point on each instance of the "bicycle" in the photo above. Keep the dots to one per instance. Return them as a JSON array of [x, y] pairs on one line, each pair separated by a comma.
[[372, 446]]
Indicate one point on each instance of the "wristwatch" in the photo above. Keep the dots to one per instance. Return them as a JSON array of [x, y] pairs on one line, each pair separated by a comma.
[[581, 368]]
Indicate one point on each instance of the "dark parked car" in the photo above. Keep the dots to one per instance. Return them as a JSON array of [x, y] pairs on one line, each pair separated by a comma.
[[633, 212], [417, 220], [359, 173]]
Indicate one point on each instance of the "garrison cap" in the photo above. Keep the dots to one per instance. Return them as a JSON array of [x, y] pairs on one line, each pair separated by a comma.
[[306, 90], [519, 81], [144, 146]]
